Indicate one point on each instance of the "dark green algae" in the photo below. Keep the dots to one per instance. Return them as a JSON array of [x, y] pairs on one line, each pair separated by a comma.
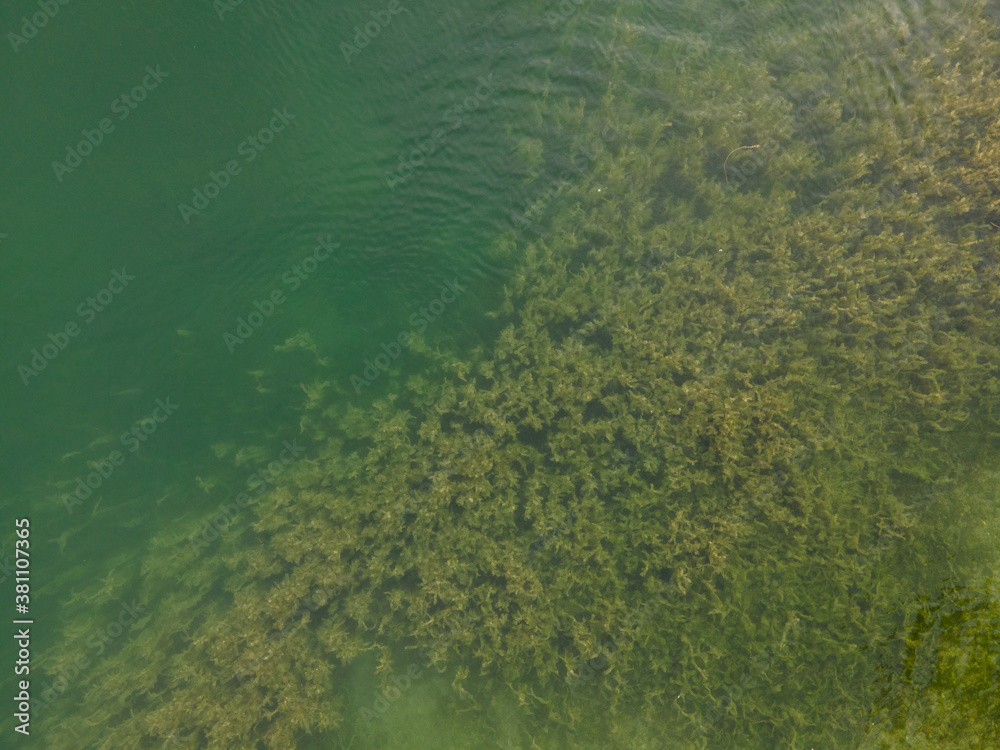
[[725, 468]]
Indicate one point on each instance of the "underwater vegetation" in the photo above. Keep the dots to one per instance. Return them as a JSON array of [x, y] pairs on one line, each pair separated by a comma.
[[724, 479], [947, 695]]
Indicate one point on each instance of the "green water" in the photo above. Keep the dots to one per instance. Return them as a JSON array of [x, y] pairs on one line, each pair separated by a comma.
[[467, 384]]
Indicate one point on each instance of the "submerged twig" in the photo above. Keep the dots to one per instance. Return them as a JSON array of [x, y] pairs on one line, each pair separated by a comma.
[[757, 145]]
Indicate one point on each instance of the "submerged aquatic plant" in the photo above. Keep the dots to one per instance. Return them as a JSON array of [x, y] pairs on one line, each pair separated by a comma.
[[945, 693]]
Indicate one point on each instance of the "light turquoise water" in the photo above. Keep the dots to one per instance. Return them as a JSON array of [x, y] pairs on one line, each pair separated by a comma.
[[468, 169]]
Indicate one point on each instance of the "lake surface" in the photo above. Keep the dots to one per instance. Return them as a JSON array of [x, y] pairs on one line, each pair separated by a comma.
[[568, 374]]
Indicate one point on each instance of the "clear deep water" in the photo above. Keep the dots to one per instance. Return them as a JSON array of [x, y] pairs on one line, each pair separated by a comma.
[[523, 375]]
